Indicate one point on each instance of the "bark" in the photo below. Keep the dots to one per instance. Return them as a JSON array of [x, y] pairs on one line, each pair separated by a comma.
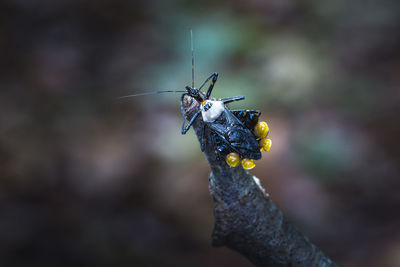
[[246, 219]]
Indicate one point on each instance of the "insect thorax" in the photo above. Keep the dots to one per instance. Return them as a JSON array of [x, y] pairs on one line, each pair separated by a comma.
[[211, 110]]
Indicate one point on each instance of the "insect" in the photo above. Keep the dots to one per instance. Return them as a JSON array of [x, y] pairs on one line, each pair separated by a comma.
[[235, 134]]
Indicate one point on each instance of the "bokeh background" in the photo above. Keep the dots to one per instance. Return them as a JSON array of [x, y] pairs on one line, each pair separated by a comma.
[[93, 180]]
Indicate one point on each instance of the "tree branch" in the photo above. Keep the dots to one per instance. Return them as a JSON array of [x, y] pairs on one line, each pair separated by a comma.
[[246, 220]]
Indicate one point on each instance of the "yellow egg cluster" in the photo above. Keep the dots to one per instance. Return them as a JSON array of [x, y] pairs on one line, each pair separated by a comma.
[[261, 131], [233, 160], [248, 164], [265, 144]]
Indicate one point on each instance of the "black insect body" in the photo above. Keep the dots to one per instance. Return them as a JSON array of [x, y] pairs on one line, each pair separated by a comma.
[[238, 134], [234, 134]]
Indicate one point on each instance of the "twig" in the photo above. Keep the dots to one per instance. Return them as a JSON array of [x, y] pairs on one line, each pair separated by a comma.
[[246, 219]]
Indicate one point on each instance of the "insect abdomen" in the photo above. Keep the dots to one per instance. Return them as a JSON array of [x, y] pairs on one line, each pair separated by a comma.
[[244, 142]]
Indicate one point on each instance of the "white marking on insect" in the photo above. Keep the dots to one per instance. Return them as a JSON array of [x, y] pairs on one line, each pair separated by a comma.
[[211, 110]]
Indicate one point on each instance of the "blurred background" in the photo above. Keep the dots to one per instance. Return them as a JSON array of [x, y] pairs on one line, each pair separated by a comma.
[[93, 180]]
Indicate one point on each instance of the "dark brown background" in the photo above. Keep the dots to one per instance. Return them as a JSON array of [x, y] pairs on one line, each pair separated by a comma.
[[92, 180]]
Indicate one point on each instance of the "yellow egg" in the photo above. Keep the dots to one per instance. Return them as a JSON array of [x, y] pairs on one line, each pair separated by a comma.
[[261, 129], [265, 144], [248, 164], [232, 159]]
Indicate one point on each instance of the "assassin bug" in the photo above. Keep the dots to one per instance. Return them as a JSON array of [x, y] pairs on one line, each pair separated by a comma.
[[235, 134]]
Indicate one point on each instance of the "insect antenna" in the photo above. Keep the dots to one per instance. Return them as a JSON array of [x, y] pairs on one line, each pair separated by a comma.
[[191, 46], [169, 91], [153, 93]]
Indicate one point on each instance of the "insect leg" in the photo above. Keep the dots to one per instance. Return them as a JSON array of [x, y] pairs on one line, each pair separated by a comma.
[[203, 138], [187, 127], [232, 99], [214, 77], [218, 144]]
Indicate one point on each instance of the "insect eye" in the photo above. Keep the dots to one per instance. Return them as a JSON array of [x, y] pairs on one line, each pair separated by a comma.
[[261, 130], [265, 144], [232, 159]]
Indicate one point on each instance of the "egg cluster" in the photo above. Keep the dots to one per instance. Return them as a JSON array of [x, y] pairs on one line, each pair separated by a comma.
[[260, 131]]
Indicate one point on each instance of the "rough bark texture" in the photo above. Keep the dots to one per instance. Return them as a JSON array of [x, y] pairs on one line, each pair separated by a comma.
[[246, 219]]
